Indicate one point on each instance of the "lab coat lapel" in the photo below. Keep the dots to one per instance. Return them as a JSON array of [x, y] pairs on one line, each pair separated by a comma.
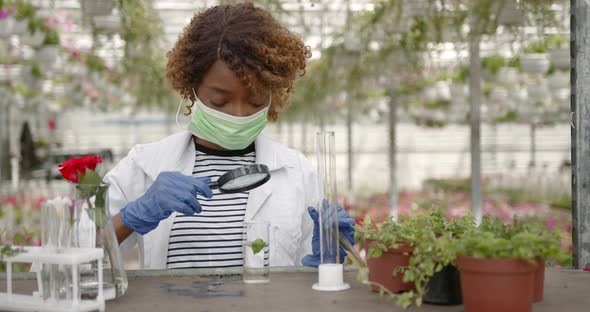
[[176, 153], [266, 154]]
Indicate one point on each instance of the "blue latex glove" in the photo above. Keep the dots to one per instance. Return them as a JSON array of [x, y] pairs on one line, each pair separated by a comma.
[[171, 191], [345, 227]]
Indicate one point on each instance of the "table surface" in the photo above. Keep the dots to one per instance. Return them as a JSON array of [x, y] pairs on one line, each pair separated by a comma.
[[290, 290]]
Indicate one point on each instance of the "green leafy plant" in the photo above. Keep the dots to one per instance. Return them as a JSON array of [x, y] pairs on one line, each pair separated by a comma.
[[433, 250], [510, 116], [95, 63], [9, 251], [461, 74], [459, 185], [526, 239], [390, 234], [36, 70], [551, 69], [24, 90], [258, 245], [435, 104], [24, 10], [556, 41], [538, 46], [35, 24], [493, 63], [548, 244], [51, 37], [496, 226], [515, 63], [428, 122], [487, 89]]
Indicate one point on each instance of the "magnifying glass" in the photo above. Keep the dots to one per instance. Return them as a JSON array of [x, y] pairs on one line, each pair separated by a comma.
[[242, 179]]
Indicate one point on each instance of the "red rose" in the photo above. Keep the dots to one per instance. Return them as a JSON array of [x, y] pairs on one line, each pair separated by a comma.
[[69, 169]]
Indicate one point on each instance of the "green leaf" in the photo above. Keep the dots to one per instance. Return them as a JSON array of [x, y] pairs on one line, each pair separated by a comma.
[[258, 245], [8, 251], [91, 177]]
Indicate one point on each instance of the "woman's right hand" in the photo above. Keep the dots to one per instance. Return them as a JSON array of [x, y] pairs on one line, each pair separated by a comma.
[[171, 191]]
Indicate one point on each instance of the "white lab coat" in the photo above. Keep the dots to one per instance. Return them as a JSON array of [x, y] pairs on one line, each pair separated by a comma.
[[282, 200]]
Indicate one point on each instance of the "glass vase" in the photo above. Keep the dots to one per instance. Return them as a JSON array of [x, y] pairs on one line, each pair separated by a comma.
[[95, 230]]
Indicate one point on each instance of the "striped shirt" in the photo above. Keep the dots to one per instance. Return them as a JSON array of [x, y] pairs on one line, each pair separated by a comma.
[[212, 238]]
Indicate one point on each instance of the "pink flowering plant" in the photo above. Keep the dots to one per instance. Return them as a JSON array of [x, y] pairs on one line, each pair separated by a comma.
[[22, 211]]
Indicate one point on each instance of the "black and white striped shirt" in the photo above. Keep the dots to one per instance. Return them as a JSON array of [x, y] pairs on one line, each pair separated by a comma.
[[213, 238]]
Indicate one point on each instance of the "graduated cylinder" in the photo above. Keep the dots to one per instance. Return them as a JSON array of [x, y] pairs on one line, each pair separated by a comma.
[[328, 211]]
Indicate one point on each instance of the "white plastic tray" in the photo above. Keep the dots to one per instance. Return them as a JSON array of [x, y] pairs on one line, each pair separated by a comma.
[[67, 256], [70, 256]]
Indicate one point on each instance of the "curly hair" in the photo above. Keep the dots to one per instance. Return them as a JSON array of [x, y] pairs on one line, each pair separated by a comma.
[[249, 41]]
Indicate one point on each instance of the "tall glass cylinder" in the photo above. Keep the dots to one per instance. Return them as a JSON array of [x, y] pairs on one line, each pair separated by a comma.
[[58, 232], [96, 230], [328, 211]]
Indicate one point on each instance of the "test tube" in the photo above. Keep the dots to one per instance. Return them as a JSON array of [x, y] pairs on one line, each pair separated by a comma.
[[328, 211], [47, 216]]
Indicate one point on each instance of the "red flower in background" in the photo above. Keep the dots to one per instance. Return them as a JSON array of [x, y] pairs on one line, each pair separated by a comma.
[[69, 169], [51, 124]]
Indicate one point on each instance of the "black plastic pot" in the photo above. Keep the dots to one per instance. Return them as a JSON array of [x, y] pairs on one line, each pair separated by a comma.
[[444, 288]]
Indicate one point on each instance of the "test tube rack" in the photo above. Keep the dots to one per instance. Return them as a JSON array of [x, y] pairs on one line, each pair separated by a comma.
[[72, 257]]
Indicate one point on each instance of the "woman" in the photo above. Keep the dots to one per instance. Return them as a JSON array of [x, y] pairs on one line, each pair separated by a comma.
[[235, 65]]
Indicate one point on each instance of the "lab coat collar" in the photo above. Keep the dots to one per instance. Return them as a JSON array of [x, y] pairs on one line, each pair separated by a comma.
[[177, 153]]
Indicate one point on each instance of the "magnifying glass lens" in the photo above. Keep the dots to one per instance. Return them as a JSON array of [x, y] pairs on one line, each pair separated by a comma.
[[244, 181]]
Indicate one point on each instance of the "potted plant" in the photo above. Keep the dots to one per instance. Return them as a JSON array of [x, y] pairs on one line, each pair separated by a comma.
[[499, 261], [431, 268], [7, 21], [47, 54], [411, 259], [559, 80], [389, 246], [96, 8], [534, 60], [537, 90], [509, 14], [491, 66], [509, 76], [109, 24], [560, 52], [35, 36]]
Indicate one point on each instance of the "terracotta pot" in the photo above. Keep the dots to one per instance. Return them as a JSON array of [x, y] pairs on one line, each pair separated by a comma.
[[381, 269], [490, 285], [539, 281]]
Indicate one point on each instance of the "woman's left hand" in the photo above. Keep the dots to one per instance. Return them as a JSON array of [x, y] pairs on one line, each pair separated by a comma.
[[345, 227]]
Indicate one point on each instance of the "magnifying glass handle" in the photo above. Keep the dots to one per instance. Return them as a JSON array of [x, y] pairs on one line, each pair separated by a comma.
[[213, 185]]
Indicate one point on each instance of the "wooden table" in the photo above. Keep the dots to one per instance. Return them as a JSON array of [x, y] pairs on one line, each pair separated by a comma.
[[290, 290]]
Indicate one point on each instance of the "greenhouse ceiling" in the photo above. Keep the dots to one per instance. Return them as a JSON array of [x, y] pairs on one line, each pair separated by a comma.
[[315, 20]]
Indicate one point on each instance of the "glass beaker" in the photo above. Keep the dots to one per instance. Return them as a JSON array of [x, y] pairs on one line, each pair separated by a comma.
[[255, 251], [95, 230]]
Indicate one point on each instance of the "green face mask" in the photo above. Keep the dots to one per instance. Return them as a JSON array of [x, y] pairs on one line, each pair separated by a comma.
[[227, 131]]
